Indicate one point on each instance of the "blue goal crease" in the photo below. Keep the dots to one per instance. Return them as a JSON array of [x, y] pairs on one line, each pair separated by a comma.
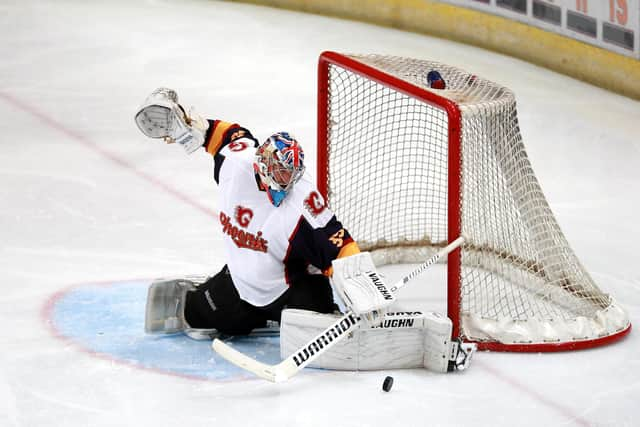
[[109, 320]]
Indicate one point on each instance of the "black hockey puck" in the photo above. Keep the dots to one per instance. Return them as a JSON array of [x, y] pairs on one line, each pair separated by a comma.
[[387, 384]]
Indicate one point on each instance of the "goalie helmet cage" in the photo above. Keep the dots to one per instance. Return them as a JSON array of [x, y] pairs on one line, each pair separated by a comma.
[[408, 169]]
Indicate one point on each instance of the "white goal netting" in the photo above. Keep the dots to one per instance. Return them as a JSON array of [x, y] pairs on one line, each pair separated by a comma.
[[406, 172]]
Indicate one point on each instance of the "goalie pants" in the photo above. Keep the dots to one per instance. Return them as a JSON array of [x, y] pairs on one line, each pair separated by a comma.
[[216, 304]]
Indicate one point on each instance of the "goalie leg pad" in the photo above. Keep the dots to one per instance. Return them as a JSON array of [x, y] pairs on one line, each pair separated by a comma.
[[166, 299], [403, 340], [164, 313], [437, 342], [165, 306], [396, 343]]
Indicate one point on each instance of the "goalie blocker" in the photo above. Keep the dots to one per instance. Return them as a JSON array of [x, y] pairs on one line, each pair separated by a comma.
[[361, 287], [402, 340]]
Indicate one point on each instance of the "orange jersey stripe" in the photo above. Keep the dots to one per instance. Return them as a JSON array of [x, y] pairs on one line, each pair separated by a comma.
[[218, 135], [349, 249]]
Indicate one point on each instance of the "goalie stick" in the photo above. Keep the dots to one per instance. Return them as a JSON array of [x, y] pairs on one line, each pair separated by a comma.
[[340, 329]]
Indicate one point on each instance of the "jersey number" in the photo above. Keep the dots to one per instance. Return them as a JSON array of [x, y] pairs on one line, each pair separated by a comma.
[[238, 146], [338, 238]]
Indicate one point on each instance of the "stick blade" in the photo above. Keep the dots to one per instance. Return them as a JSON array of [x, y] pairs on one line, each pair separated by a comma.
[[268, 372]]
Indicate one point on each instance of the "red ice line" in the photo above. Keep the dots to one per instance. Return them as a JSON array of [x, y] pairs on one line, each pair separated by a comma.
[[106, 154], [46, 313], [562, 410]]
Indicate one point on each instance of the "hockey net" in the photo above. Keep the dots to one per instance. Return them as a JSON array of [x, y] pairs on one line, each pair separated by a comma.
[[407, 169]]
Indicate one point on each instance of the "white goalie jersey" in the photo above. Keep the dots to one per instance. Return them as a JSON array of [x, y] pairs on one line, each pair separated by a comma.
[[269, 247]]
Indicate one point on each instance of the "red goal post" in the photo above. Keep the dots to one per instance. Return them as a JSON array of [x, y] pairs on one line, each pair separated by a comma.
[[408, 168]]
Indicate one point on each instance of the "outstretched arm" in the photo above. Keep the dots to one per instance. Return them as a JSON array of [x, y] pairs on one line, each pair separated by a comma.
[[222, 134], [161, 116]]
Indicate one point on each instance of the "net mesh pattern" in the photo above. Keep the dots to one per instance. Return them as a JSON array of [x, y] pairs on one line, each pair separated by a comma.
[[387, 180]]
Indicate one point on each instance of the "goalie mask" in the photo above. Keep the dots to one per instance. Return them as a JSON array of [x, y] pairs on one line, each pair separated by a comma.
[[279, 164]]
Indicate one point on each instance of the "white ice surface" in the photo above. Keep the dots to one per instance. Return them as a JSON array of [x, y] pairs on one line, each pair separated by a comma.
[[85, 197]]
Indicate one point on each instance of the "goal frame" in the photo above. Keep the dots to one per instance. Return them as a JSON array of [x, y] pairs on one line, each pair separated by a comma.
[[454, 165]]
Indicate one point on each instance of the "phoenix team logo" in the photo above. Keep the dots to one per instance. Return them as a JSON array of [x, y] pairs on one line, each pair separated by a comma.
[[243, 216], [241, 238], [315, 203]]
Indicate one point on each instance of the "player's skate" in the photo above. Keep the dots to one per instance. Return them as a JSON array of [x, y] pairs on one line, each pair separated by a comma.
[[441, 352], [461, 353]]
